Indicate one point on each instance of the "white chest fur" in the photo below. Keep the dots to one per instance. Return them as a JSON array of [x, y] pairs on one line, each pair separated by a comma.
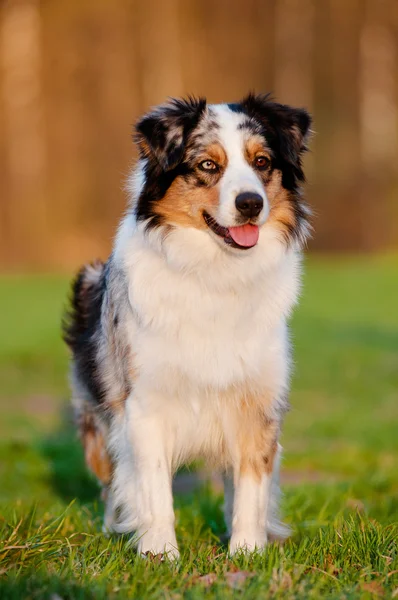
[[216, 324]]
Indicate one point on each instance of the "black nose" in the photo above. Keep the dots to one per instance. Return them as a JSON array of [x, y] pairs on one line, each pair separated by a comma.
[[249, 204]]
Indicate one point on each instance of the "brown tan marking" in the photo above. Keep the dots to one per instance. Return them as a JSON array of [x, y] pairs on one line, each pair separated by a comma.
[[254, 147], [282, 214], [95, 452], [215, 152], [257, 442], [185, 202]]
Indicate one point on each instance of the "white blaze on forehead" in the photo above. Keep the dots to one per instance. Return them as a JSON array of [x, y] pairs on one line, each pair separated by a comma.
[[239, 176], [229, 134]]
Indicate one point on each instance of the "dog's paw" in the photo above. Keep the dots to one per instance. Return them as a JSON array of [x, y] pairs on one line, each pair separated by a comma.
[[246, 542], [157, 542]]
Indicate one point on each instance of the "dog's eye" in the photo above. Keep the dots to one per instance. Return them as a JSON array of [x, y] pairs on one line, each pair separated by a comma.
[[261, 162], [208, 165]]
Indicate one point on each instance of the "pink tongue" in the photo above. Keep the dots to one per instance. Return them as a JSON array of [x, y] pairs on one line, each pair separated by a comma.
[[245, 235]]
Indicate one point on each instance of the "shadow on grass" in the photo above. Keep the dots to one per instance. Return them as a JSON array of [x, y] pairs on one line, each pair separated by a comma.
[[201, 511], [69, 477], [44, 585]]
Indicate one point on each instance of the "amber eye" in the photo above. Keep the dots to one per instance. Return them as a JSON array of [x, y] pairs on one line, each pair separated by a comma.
[[208, 165], [261, 162]]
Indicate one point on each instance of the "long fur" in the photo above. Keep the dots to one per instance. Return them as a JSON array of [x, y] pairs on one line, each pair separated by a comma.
[[180, 343]]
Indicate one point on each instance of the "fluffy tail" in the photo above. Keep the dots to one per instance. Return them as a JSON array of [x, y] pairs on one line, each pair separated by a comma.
[[85, 305], [80, 324]]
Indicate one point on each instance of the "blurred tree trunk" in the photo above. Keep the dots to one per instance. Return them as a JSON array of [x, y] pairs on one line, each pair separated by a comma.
[[227, 51], [21, 62], [93, 81], [322, 111], [5, 231], [344, 143], [379, 120], [294, 27], [71, 36], [159, 49], [294, 65], [337, 145]]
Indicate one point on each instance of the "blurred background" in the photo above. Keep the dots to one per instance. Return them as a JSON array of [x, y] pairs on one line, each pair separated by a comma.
[[74, 76]]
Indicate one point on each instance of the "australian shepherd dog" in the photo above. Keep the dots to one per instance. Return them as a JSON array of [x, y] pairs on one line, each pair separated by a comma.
[[180, 341]]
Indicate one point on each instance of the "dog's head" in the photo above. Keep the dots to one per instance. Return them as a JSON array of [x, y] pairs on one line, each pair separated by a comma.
[[230, 170]]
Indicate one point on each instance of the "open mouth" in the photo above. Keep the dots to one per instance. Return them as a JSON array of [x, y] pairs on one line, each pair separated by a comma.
[[242, 237]]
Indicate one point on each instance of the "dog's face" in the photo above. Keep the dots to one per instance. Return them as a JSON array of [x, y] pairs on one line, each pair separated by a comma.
[[228, 169]]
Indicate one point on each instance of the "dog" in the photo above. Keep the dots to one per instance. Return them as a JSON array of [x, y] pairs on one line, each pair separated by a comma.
[[180, 344]]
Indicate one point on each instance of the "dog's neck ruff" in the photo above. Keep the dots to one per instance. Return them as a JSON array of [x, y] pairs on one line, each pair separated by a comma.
[[191, 252]]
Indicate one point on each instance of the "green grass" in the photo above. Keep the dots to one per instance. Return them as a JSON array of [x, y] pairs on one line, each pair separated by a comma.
[[341, 448]]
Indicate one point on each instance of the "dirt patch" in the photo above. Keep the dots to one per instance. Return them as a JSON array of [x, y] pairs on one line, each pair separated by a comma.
[[42, 405]]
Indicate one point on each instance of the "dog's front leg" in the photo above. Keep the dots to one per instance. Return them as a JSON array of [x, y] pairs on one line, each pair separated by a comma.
[[151, 448], [253, 464]]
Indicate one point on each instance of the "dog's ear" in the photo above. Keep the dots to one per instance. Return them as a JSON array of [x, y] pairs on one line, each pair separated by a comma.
[[163, 132], [290, 127]]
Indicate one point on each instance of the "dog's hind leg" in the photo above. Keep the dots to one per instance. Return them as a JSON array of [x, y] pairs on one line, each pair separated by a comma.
[[276, 530], [228, 499], [109, 511]]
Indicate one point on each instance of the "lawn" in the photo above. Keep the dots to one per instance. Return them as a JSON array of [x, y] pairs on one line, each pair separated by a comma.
[[340, 466]]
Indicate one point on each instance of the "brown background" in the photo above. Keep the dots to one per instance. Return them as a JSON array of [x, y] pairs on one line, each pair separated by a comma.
[[76, 74]]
